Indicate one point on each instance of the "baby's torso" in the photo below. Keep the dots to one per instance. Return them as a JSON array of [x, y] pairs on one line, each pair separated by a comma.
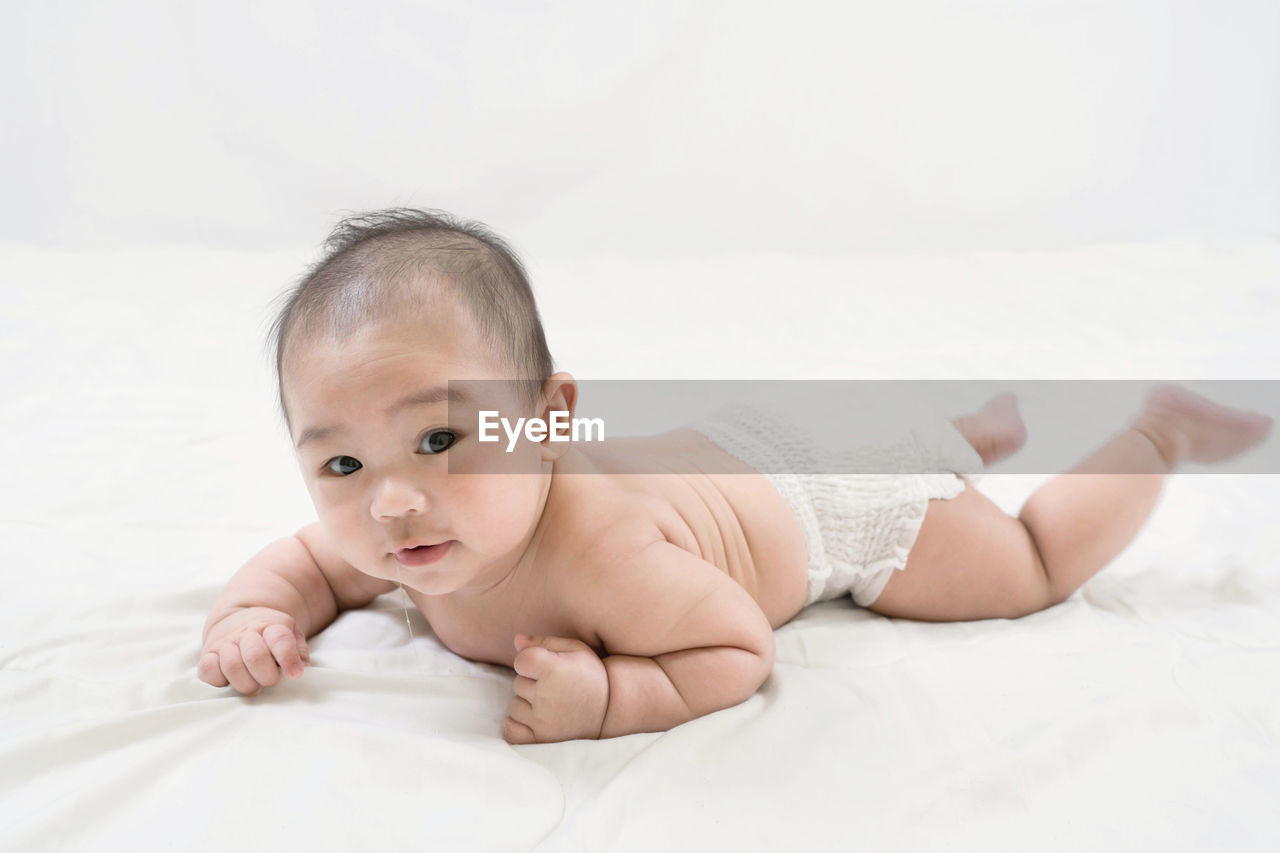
[[735, 521]]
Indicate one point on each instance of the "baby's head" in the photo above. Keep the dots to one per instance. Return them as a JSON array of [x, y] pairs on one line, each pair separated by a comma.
[[417, 266], [365, 347]]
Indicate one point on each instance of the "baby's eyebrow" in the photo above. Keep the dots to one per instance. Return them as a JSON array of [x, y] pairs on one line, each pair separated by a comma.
[[422, 397]]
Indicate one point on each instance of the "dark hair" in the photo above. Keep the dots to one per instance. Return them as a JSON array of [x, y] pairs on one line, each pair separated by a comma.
[[373, 269]]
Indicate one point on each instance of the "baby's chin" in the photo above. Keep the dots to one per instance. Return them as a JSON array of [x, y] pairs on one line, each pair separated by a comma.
[[431, 587], [435, 578]]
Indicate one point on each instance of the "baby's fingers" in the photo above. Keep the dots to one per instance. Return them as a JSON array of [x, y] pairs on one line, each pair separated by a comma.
[[514, 732], [258, 659], [284, 646], [234, 669], [209, 670], [303, 648]]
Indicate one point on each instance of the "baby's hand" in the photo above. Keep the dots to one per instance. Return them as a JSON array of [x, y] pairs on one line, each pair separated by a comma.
[[250, 647], [562, 691]]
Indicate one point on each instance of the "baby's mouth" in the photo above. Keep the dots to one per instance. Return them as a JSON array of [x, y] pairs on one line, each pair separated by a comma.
[[423, 554]]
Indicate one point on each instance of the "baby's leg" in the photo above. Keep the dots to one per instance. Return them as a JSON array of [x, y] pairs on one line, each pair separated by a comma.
[[973, 561]]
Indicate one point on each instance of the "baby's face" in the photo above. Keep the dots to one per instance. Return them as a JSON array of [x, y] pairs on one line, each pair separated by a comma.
[[380, 478]]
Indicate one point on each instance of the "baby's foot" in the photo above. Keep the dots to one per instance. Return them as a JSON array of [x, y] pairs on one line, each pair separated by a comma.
[[996, 430], [1187, 427]]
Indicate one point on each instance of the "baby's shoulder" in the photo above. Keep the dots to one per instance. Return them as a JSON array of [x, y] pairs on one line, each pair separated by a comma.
[[588, 498], [593, 523], [603, 530]]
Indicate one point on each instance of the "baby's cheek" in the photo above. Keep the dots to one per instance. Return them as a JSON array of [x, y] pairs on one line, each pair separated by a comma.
[[493, 458], [344, 534], [511, 499]]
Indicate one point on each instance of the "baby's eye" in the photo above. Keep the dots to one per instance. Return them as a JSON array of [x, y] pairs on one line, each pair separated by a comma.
[[436, 442], [439, 441], [349, 459]]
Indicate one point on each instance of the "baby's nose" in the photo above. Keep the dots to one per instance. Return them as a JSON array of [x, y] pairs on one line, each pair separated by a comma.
[[395, 498]]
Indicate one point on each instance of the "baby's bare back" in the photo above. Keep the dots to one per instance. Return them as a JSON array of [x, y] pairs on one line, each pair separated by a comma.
[[736, 522]]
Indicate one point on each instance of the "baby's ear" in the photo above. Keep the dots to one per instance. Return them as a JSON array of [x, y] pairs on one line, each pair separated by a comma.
[[561, 395]]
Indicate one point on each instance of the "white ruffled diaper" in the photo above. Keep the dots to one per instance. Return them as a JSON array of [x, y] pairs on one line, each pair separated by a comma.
[[859, 527]]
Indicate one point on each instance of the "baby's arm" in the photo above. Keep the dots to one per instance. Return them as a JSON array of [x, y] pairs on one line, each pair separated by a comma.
[[288, 591], [682, 639]]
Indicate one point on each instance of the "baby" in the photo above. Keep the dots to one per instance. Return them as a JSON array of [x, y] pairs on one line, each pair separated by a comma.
[[627, 600]]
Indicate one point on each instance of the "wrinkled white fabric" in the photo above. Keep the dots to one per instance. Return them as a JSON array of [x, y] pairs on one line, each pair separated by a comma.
[[145, 463]]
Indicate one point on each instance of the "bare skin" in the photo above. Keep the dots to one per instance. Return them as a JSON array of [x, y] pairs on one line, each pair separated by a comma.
[[593, 588], [973, 561], [624, 600], [737, 522], [743, 527]]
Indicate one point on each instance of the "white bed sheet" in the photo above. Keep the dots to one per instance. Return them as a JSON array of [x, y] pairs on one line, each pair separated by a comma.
[[145, 463]]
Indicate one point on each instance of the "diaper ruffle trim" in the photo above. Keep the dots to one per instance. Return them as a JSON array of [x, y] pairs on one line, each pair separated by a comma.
[[737, 430]]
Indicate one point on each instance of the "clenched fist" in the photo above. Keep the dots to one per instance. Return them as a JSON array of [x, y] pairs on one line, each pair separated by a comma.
[[562, 691], [250, 648]]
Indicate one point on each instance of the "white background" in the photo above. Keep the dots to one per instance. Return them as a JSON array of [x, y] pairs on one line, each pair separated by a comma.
[[650, 129]]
